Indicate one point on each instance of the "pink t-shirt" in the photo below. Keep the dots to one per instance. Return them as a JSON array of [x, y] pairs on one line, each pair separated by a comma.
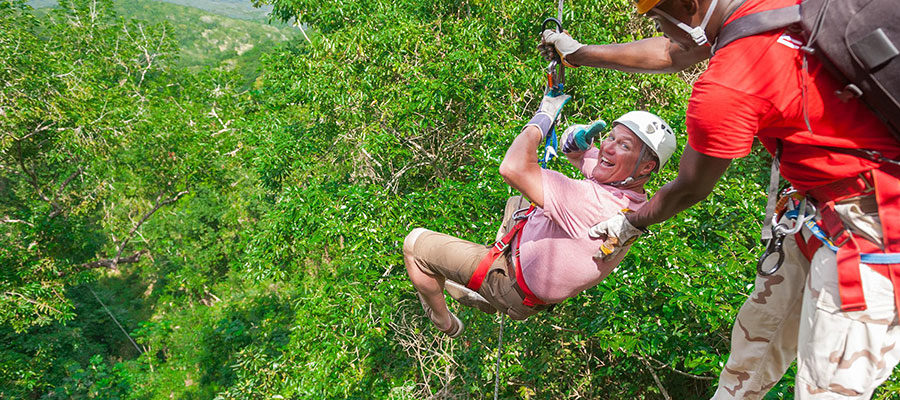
[[556, 252]]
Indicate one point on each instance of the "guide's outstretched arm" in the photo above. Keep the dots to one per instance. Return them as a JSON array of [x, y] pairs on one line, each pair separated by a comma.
[[652, 55], [697, 176]]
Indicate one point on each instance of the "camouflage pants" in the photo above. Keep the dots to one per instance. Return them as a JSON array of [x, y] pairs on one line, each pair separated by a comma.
[[842, 355]]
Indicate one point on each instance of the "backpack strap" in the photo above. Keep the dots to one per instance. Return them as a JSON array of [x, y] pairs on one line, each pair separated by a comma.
[[756, 23]]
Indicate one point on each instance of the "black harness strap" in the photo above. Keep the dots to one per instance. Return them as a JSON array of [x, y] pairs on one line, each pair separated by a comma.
[[756, 23]]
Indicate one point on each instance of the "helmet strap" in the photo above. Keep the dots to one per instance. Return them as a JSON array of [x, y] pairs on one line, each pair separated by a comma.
[[637, 165], [698, 33]]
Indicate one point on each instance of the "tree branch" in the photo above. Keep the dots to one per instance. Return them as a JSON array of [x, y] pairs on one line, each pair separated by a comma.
[[159, 204], [655, 378], [56, 208], [111, 263], [32, 301], [6, 220]]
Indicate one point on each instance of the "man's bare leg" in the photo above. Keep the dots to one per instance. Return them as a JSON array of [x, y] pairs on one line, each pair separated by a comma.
[[430, 287]]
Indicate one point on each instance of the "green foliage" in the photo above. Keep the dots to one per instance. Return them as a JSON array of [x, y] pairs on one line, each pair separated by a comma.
[[275, 271]]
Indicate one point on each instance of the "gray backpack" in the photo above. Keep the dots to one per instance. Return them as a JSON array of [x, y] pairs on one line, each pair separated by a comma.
[[857, 40]]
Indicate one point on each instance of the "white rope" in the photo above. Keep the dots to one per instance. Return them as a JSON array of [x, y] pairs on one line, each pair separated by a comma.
[[115, 320], [499, 352]]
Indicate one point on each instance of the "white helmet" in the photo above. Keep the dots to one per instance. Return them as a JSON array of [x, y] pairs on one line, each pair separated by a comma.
[[653, 131]]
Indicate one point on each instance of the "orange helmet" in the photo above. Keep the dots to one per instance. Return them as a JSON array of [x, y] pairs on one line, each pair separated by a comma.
[[645, 5]]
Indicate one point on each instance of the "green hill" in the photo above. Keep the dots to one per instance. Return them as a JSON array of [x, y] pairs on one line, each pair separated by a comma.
[[207, 38], [211, 40]]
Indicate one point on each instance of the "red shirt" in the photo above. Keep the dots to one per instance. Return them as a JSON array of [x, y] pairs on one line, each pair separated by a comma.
[[752, 87]]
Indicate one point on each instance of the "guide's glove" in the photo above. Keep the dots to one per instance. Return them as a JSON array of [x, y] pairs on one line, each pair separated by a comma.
[[580, 137], [617, 234], [557, 45], [550, 107]]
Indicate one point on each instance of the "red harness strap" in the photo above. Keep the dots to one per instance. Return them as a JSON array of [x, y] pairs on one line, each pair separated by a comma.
[[807, 247], [885, 182], [849, 278], [887, 195], [496, 250], [530, 299]]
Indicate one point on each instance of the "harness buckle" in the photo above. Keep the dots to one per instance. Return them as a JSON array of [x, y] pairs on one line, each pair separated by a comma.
[[500, 246]]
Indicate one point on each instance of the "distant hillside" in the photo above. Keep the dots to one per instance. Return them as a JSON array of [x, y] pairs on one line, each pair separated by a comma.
[[238, 9], [206, 38]]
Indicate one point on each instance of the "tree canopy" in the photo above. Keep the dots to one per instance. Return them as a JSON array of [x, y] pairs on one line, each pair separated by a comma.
[[249, 240]]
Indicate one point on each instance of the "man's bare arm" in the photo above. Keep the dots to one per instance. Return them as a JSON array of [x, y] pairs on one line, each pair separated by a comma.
[[520, 168], [697, 176], [652, 55]]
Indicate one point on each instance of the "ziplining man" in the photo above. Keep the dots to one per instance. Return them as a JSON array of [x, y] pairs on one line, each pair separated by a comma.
[[842, 312], [547, 256]]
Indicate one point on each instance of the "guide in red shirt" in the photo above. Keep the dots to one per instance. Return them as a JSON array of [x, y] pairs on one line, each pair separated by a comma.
[[832, 306]]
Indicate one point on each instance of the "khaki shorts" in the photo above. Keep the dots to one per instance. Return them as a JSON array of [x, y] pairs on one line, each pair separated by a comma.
[[456, 259]]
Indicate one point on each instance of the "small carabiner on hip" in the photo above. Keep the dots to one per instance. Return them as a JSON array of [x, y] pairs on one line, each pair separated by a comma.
[[775, 246]]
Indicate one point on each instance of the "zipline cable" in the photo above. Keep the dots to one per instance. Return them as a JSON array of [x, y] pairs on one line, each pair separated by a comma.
[[115, 320], [549, 153], [499, 355]]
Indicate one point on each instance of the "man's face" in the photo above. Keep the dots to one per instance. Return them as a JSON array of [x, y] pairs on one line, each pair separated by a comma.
[[619, 152]]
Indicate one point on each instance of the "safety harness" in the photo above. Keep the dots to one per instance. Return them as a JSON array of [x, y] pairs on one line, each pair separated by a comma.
[[555, 86], [498, 248], [830, 231]]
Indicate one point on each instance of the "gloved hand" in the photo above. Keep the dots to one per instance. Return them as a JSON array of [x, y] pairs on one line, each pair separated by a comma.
[[551, 105], [617, 233], [558, 45], [580, 137]]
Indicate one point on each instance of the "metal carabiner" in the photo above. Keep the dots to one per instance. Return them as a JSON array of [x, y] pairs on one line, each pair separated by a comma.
[[556, 77], [775, 245], [521, 213]]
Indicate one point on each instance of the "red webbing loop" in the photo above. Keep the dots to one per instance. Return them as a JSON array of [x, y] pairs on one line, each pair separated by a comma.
[[530, 299], [849, 278], [887, 195], [807, 247]]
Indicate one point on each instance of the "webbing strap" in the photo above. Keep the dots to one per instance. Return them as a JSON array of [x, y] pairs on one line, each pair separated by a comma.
[[772, 192], [496, 250], [887, 192], [846, 247], [530, 299], [756, 23], [822, 238], [849, 278]]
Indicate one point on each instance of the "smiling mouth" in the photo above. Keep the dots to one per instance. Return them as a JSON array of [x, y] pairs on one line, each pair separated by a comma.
[[605, 162]]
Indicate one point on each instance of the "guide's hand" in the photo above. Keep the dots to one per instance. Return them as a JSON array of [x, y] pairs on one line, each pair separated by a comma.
[[557, 45], [617, 234], [580, 137]]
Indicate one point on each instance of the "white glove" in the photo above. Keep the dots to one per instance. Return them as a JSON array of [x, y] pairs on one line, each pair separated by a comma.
[[580, 137], [552, 105], [547, 112], [617, 234], [561, 42]]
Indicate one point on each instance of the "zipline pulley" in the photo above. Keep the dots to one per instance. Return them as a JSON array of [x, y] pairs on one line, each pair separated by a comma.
[[555, 86]]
